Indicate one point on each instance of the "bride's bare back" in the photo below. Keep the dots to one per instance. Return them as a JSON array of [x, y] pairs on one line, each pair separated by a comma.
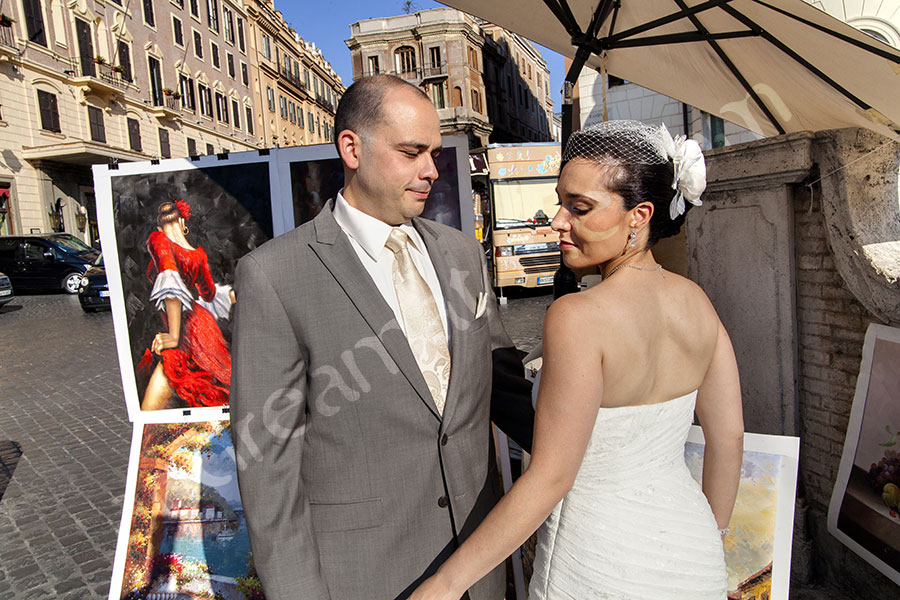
[[656, 332]]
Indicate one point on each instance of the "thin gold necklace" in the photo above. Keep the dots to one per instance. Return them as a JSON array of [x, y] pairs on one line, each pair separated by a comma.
[[656, 268]]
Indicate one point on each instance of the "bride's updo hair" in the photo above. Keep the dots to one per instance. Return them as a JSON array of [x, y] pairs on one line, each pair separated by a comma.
[[636, 166]]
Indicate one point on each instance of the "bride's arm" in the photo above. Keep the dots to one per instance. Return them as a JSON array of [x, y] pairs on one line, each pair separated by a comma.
[[721, 417], [568, 400]]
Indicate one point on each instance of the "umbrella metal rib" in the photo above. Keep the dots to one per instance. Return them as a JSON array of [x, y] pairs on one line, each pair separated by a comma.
[[846, 38], [671, 18], [784, 48], [734, 70]]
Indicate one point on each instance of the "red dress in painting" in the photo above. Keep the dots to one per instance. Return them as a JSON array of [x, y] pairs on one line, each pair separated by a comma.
[[199, 368]]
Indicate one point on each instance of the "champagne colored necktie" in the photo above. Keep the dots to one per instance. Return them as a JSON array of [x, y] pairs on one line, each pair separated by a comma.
[[421, 320]]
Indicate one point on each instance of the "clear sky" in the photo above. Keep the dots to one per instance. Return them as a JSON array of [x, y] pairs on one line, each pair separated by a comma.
[[327, 23]]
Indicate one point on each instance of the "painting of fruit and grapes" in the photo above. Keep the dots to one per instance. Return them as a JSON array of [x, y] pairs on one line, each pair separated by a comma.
[[187, 535], [869, 513]]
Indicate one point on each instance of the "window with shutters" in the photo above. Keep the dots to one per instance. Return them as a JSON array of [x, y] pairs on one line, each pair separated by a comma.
[[124, 57], [205, 100], [210, 150], [156, 93], [267, 46], [293, 112], [221, 108], [312, 122], [186, 87], [149, 18], [192, 147], [240, 34], [49, 111], [214, 53], [437, 95], [95, 118], [212, 14], [228, 21], [405, 60], [195, 8], [300, 116], [236, 113], [164, 149], [198, 45], [134, 134], [373, 66], [282, 102], [229, 62], [177, 31], [270, 97], [34, 22], [249, 119], [245, 77]]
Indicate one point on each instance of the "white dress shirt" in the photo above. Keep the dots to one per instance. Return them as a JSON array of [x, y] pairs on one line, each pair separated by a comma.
[[368, 237]]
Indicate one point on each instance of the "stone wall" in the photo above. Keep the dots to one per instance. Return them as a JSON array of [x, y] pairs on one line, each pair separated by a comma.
[[797, 297], [831, 327]]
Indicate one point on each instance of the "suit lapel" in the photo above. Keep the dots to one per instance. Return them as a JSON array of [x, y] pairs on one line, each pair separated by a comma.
[[337, 254], [452, 275]]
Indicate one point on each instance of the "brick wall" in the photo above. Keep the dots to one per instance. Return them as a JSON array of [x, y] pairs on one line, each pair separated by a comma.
[[831, 328]]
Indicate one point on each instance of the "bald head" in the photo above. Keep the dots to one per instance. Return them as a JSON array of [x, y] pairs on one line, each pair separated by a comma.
[[361, 107]]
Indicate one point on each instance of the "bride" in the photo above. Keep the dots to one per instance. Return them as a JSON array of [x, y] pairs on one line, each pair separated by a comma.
[[626, 364]]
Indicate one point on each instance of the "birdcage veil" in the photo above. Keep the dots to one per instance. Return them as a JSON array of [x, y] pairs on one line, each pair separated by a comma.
[[637, 143]]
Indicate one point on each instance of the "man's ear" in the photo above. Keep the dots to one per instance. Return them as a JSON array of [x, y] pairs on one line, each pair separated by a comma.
[[641, 215], [350, 148]]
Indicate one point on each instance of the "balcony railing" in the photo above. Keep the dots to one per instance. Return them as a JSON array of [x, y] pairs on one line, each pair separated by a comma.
[[435, 71], [292, 79], [7, 38], [427, 72], [325, 102], [103, 73]]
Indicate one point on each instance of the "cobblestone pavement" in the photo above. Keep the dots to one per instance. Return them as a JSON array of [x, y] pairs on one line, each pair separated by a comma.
[[65, 436]]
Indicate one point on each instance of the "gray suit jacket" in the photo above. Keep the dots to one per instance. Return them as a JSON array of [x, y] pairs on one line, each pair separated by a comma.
[[353, 486]]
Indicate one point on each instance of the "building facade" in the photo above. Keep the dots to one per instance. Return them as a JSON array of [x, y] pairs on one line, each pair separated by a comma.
[[295, 89], [83, 83], [485, 82]]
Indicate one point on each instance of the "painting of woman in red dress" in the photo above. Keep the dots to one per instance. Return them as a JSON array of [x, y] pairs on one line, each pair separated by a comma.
[[189, 357]]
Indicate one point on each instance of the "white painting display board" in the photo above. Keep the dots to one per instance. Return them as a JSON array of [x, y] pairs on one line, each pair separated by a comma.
[[235, 202], [863, 512], [758, 545]]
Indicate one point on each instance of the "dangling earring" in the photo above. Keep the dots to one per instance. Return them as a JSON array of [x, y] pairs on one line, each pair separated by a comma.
[[185, 230], [631, 240]]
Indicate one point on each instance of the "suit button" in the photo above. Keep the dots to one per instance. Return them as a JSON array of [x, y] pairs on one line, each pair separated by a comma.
[[444, 440], [443, 502]]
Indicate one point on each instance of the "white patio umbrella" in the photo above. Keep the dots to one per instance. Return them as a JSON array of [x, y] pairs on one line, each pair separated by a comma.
[[771, 66]]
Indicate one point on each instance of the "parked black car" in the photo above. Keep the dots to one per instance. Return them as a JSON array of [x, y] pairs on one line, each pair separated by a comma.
[[6, 290], [45, 260], [94, 290]]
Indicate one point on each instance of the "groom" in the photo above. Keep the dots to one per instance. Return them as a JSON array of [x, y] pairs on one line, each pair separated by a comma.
[[368, 361]]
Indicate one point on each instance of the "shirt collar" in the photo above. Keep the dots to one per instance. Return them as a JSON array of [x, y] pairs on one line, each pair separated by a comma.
[[370, 233]]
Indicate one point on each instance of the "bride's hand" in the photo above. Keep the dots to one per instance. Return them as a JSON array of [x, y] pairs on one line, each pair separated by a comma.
[[435, 588]]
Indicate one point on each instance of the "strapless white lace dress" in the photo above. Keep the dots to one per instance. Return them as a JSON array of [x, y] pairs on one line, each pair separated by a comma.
[[635, 524]]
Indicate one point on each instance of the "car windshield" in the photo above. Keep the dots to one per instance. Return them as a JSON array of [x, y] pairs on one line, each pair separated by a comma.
[[72, 244]]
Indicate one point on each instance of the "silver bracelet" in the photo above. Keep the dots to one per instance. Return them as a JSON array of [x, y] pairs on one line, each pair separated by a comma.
[[724, 531]]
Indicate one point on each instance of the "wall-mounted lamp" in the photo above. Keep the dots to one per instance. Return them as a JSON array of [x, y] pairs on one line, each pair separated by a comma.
[[81, 221], [69, 72]]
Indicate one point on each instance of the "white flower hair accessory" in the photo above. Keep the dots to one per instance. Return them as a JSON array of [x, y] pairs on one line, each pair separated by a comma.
[[690, 171]]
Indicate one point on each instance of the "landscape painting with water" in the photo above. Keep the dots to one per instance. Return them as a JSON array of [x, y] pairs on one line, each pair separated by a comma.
[[188, 538]]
